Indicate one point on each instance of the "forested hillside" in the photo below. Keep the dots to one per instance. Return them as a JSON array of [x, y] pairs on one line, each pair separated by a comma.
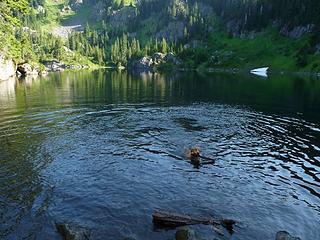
[[257, 14], [200, 33]]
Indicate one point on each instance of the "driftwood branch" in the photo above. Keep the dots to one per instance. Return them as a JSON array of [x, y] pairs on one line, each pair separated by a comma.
[[206, 158], [169, 219]]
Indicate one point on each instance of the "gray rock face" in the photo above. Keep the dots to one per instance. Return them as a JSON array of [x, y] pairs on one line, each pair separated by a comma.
[[144, 63], [70, 231], [121, 17], [296, 32], [173, 32], [234, 27], [7, 68], [283, 235]]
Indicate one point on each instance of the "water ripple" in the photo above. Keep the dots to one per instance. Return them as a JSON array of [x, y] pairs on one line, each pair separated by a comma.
[[122, 161]]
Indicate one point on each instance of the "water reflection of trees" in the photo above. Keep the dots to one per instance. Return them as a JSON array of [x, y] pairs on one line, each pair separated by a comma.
[[7, 92], [110, 87], [23, 193], [113, 87], [22, 158]]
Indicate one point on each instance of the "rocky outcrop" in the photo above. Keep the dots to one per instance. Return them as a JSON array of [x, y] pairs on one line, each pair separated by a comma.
[[120, 18], [173, 31], [158, 57], [26, 69], [150, 63], [144, 63], [7, 68], [297, 31], [55, 66], [75, 4], [65, 31], [236, 29]]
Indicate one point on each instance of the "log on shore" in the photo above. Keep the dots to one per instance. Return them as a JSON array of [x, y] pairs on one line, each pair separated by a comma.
[[169, 219]]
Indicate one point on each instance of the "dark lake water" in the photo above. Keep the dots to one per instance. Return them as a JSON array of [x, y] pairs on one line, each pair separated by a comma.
[[103, 149]]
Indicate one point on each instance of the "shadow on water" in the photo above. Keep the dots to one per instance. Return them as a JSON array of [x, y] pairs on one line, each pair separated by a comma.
[[103, 149]]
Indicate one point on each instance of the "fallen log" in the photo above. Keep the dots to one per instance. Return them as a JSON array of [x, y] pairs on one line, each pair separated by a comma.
[[169, 219]]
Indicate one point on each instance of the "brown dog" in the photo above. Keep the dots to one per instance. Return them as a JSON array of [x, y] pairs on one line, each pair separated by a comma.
[[193, 154]]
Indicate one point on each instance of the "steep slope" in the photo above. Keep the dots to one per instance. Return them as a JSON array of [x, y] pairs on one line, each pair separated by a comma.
[[205, 33]]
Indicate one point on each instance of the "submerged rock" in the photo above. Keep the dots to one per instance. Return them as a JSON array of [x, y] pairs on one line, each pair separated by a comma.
[[186, 233], [70, 231], [283, 235]]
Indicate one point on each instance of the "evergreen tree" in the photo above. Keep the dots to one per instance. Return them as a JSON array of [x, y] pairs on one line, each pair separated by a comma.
[[164, 46]]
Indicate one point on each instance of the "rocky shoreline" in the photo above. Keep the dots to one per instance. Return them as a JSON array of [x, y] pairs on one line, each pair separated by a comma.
[[9, 69], [156, 61], [72, 231]]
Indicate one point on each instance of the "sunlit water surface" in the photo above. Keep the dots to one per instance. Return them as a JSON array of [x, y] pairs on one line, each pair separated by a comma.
[[104, 149]]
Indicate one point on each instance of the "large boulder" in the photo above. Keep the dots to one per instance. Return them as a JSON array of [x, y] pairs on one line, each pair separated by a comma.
[[144, 63], [283, 235], [26, 69], [7, 68], [171, 58], [158, 57]]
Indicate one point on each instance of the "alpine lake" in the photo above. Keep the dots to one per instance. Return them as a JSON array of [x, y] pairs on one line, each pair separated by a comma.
[[104, 149]]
